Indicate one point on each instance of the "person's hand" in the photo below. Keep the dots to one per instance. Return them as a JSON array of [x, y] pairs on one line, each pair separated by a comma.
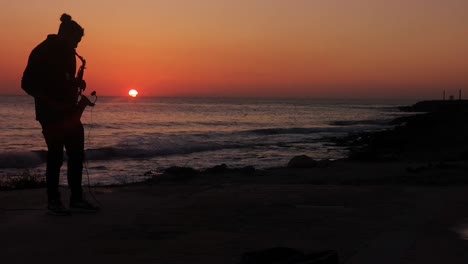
[[85, 101], [81, 84]]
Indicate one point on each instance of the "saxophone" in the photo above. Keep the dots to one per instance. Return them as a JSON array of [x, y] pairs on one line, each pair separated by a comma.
[[84, 101]]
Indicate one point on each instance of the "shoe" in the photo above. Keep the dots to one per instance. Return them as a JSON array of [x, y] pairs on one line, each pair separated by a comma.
[[83, 206], [55, 207]]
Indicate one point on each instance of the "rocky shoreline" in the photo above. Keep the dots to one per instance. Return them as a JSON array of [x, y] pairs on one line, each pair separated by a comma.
[[432, 139], [436, 132]]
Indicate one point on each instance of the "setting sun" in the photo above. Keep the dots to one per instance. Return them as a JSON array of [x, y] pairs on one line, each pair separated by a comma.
[[133, 93]]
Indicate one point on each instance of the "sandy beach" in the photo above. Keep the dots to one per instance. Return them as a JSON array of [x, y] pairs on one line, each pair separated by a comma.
[[364, 211]]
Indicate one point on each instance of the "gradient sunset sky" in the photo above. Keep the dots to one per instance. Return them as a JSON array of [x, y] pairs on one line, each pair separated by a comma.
[[313, 48]]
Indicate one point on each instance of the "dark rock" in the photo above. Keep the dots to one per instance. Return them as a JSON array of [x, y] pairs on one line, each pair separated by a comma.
[[223, 168], [248, 170], [436, 105], [324, 163], [302, 161], [439, 134], [180, 173]]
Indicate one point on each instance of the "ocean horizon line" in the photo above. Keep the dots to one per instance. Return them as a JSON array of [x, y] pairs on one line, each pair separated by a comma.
[[273, 98]]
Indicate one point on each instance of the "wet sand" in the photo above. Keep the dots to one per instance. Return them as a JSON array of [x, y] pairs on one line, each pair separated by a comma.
[[367, 212]]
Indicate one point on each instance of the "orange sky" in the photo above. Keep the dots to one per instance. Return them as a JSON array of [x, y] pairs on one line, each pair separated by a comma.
[[316, 48]]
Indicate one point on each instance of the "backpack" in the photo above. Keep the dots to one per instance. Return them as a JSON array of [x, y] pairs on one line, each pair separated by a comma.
[[26, 83]]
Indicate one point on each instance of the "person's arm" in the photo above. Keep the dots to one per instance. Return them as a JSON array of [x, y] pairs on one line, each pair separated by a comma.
[[46, 78]]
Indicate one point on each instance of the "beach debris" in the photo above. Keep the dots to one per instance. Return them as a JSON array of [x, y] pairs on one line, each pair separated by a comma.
[[27, 180]]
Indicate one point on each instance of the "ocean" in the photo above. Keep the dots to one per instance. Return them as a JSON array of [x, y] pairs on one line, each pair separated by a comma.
[[127, 139]]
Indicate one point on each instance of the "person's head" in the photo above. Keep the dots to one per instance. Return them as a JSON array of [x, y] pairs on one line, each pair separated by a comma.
[[70, 31]]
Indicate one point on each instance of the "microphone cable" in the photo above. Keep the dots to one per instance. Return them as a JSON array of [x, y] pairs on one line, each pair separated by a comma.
[[85, 160]]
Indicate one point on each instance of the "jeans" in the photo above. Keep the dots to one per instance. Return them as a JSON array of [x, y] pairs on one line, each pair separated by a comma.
[[57, 135]]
